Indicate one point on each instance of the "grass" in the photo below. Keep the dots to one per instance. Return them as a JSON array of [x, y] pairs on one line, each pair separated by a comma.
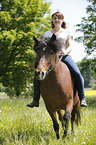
[[20, 125]]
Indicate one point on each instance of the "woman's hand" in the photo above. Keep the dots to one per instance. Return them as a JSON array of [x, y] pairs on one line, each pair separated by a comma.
[[62, 53]]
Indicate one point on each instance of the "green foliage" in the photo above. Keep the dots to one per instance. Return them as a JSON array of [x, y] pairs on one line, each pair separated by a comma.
[[87, 72], [88, 28], [94, 87], [87, 78], [20, 20], [2, 88], [88, 64]]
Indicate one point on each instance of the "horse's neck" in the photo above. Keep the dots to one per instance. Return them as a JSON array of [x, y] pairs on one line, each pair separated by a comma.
[[56, 61], [60, 69]]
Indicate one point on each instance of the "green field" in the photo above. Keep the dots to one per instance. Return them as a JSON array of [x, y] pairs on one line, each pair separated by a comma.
[[20, 125]]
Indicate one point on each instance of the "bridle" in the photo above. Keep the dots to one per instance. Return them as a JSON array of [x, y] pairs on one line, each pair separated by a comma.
[[53, 67]]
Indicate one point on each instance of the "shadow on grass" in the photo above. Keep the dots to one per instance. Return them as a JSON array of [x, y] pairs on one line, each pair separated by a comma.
[[91, 102]]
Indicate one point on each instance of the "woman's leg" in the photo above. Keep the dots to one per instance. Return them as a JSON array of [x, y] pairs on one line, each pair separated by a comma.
[[35, 102], [78, 77]]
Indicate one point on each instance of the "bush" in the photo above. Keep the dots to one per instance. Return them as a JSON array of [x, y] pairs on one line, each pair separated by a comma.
[[94, 87], [2, 88]]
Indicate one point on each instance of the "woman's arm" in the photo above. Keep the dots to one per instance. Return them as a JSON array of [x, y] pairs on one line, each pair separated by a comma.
[[68, 48]]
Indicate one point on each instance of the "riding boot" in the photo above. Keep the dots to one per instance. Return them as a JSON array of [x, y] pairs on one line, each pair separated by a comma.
[[35, 102]]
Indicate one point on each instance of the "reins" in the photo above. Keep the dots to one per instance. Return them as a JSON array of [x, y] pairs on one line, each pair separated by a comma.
[[52, 67]]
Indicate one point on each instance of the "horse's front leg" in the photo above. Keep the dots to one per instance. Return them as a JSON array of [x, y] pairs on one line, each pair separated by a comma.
[[67, 116], [55, 123]]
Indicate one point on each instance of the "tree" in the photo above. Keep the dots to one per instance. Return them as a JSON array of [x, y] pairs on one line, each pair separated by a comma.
[[88, 28], [20, 20], [88, 76]]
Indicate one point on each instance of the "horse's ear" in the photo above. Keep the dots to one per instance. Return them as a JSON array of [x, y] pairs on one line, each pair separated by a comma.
[[53, 38], [36, 39]]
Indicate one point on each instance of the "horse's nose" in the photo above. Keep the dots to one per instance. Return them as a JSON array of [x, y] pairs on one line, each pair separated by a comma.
[[37, 73], [40, 74]]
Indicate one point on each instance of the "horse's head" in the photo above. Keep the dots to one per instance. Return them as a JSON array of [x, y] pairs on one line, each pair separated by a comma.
[[47, 58]]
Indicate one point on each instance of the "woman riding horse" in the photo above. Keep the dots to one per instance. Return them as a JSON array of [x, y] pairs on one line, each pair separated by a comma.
[[59, 29]]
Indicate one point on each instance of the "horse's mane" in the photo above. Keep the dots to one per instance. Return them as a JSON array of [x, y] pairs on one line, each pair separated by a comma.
[[56, 45], [50, 43]]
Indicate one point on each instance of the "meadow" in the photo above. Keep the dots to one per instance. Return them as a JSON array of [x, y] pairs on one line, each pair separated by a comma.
[[20, 125]]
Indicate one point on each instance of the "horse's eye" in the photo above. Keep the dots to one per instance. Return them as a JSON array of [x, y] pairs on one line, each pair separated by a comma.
[[51, 52]]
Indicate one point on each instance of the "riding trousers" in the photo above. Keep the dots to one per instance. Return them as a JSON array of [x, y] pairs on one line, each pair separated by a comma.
[[75, 74]]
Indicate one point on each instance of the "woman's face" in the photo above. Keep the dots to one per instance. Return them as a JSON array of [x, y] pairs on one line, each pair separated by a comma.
[[57, 21]]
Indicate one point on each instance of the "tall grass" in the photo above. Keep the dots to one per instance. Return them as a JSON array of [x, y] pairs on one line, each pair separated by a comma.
[[20, 125]]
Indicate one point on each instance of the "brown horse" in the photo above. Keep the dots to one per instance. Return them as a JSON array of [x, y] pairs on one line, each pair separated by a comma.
[[56, 84]]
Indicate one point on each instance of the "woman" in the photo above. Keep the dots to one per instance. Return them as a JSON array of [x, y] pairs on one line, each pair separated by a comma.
[[59, 29]]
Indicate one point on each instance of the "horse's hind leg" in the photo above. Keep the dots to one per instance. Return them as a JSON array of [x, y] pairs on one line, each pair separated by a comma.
[[73, 123], [60, 113], [75, 117], [55, 123], [67, 116]]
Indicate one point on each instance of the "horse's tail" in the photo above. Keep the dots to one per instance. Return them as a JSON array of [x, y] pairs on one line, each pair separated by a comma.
[[76, 108], [76, 113]]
